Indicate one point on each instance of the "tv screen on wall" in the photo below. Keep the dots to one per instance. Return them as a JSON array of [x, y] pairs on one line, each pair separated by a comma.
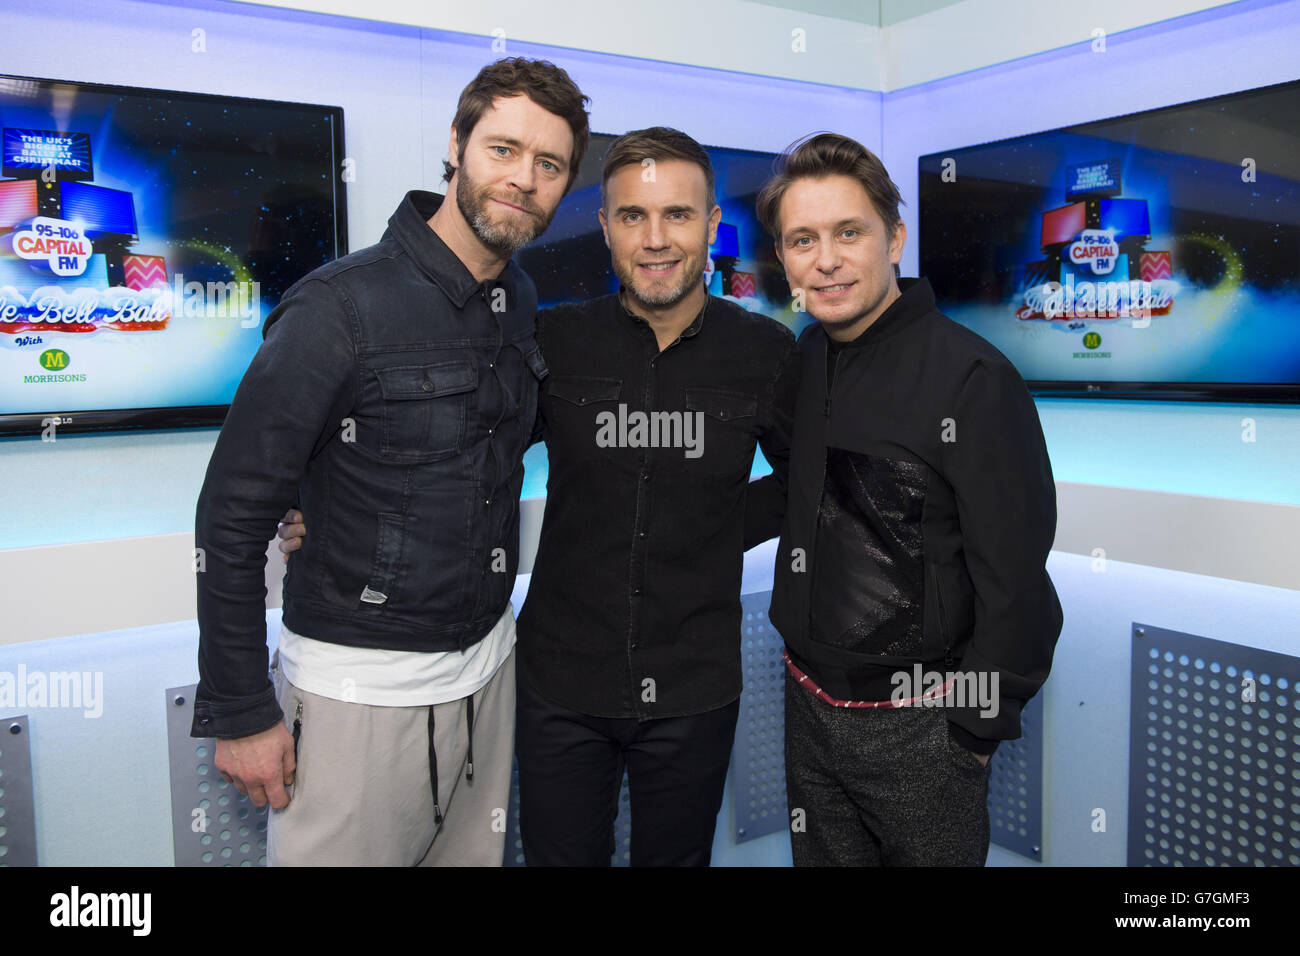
[[144, 237], [1154, 255]]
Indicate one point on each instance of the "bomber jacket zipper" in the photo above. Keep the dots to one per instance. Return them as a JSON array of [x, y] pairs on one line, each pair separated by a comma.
[[821, 493], [943, 621], [835, 371]]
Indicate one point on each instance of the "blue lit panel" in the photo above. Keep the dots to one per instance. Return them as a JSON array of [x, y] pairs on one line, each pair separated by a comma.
[[727, 243], [101, 210], [1128, 217]]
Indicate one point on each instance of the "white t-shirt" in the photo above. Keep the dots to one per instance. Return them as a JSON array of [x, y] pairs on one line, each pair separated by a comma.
[[365, 675]]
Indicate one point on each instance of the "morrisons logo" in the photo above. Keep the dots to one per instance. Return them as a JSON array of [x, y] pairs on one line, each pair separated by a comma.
[[69, 377]]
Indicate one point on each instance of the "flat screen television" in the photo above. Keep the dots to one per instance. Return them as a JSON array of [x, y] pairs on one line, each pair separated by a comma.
[[1154, 255], [144, 237]]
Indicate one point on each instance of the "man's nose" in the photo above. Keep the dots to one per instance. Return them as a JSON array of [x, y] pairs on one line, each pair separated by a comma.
[[524, 176], [828, 257], [654, 236]]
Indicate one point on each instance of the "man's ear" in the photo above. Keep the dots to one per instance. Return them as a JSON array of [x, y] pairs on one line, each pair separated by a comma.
[[780, 253], [604, 226], [453, 150], [897, 242], [715, 217]]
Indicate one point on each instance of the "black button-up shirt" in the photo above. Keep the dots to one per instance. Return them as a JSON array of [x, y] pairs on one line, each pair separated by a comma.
[[634, 605]]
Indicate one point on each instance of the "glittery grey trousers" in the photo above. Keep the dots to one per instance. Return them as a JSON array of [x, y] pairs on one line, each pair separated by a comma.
[[880, 787]]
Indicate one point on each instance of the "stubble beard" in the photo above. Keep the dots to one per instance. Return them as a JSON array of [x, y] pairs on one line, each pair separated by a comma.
[[506, 239], [661, 298]]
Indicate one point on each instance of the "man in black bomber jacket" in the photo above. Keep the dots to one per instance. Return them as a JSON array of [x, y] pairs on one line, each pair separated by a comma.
[[910, 585]]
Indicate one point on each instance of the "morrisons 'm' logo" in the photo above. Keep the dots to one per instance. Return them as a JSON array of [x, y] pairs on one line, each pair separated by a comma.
[[54, 359]]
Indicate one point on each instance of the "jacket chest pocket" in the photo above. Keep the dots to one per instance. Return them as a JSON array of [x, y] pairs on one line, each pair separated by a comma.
[[724, 425], [426, 408]]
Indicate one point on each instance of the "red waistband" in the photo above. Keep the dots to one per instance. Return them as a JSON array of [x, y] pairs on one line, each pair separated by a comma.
[[810, 685]]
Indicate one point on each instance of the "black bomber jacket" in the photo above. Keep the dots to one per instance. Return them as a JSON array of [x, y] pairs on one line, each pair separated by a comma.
[[921, 513]]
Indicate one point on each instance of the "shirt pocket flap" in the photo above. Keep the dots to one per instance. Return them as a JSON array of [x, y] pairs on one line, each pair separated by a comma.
[[720, 404], [584, 389], [404, 382]]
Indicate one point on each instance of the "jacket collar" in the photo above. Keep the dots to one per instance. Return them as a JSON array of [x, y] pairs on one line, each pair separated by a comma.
[[915, 300], [696, 324], [409, 225]]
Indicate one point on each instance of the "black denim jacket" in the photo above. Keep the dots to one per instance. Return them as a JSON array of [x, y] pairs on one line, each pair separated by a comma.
[[633, 609], [393, 398]]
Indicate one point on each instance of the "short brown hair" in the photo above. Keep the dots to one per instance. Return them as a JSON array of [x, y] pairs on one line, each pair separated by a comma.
[[828, 154], [658, 143], [541, 81]]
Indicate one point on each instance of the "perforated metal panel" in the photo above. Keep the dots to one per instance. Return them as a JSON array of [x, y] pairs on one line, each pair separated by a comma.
[[1016, 787], [622, 826], [758, 759], [758, 756], [1214, 753], [17, 802], [213, 824]]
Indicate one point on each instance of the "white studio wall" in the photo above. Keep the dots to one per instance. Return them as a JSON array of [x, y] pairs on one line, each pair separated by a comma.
[[95, 549]]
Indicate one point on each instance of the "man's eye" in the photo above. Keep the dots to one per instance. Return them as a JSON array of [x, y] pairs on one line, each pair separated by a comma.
[[631, 217], [803, 241], [849, 233], [550, 166], [502, 150]]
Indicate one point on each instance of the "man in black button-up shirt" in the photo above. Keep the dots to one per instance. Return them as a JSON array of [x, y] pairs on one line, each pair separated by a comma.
[[630, 637]]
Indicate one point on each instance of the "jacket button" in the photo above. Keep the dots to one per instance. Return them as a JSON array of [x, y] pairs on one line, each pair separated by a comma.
[[427, 385], [640, 534], [636, 591]]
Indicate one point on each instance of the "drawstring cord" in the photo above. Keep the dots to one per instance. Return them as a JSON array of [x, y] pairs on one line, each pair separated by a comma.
[[433, 756], [469, 723], [433, 772]]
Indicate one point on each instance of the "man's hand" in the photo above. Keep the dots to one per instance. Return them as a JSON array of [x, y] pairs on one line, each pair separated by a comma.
[[291, 532], [260, 766]]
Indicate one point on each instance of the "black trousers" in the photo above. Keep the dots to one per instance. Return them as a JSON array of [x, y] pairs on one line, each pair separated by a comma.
[[881, 787], [571, 769]]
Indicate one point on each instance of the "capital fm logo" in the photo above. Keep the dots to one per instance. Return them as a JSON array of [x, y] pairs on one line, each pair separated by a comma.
[[61, 244], [1097, 249]]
